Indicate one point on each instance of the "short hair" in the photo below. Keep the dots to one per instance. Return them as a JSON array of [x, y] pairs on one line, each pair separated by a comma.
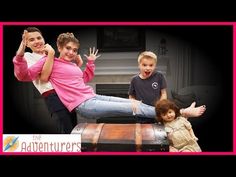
[[33, 29], [147, 54]]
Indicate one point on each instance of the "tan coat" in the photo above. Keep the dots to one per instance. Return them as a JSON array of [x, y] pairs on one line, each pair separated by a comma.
[[181, 136]]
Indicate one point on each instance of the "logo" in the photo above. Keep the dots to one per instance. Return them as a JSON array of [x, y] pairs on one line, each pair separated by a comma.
[[155, 85], [41, 143], [11, 143]]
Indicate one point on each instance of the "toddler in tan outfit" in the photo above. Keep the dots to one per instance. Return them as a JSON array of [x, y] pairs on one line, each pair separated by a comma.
[[179, 129]]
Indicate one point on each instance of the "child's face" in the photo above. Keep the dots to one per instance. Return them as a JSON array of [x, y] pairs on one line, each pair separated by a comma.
[[69, 51], [35, 41], [147, 66], [168, 116]]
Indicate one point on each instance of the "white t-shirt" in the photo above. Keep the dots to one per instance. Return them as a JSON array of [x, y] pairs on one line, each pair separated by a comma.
[[31, 59]]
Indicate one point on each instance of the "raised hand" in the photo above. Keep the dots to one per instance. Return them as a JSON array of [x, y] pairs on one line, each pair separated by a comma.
[[47, 67], [48, 49], [24, 37], [79, 60], [92, 54], [21, 49]]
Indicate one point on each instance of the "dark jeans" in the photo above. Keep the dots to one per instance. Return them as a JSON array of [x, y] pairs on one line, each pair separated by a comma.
[[65, 120]]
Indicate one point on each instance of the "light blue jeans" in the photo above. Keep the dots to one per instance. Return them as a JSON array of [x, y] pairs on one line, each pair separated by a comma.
[[109, 106]]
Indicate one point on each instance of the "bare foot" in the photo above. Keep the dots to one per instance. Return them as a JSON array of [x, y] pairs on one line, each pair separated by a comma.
[[193, 111]]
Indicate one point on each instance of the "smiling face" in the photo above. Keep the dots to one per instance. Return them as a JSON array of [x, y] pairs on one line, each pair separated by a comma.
[[35, 42], [168, 116], [68, 46], [146, 65], [69, 51]]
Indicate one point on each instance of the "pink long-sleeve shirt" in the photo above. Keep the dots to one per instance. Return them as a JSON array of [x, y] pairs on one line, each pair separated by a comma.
[[67, 79]]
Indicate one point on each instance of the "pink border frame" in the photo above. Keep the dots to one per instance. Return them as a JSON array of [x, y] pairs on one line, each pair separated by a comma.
[[233, 24]]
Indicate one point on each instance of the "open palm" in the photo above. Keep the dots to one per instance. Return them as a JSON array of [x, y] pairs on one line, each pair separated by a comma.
[[93, 54]]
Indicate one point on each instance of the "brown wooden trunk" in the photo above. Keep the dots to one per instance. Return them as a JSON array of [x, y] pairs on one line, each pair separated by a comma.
[[122, 137]]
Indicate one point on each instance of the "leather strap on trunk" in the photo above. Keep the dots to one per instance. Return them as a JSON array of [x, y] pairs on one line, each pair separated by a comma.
[[96, 135], [138, 137]]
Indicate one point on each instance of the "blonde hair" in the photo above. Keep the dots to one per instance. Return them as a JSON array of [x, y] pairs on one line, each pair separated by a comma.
[[147, 54]]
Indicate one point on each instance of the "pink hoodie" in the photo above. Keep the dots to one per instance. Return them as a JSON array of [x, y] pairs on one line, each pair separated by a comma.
[[67, 79]]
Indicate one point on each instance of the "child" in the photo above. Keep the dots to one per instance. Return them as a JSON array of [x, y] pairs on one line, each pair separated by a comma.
[[179, 129], [149, 85], [70, 84], [33, 39]]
